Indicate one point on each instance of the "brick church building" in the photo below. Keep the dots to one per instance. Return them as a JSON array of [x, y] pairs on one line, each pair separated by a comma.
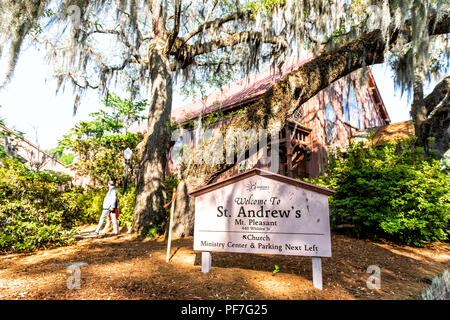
[[326, 121]]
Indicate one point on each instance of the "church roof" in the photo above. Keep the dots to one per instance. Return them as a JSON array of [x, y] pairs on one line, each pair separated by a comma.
[[264, 173], [237, 93], [387, 133]]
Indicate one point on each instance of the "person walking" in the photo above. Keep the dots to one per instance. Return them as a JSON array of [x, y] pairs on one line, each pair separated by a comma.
[[108, 221], [110, 204]]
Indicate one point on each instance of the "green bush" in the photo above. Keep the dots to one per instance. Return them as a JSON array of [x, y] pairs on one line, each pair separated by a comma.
[[34, 212], [26, 228], [155, 231], [41, 209], [92, 205], [126, 207], [89, 206], [93, 201], [391, 192]]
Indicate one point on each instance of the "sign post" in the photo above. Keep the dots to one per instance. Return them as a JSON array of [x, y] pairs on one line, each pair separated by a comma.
[[169, 240], [206, 261], [317, 272], [265, 213]]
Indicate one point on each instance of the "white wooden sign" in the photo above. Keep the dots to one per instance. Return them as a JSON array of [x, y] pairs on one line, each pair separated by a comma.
[[262, 212]]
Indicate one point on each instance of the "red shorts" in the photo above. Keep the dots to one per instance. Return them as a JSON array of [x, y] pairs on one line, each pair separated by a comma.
[[117, 214]]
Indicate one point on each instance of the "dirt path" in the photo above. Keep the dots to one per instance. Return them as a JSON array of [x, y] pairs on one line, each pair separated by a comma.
[[125, 267]]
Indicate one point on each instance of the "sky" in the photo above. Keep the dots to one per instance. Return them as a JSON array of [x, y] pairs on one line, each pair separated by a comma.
[[29, 103]]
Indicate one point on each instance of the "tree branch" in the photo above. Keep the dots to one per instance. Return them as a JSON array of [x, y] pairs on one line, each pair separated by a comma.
[[439, 93], [186, 53], [158, 22], [216, 24], [176, 26], [69, 75], [134, 51]]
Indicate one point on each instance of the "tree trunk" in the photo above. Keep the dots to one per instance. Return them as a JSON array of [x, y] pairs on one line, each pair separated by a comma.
[[438, 127], [419, 112], [184, 211], [152, 151], [437, 124]]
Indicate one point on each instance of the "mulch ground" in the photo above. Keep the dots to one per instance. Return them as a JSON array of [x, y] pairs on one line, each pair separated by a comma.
[[127, 267]]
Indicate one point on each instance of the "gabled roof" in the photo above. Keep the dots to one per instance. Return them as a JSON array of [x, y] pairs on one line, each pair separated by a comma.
[[239, 92], [247, 90], [378, 100], [32, 145], [387, 133], [264, 173]]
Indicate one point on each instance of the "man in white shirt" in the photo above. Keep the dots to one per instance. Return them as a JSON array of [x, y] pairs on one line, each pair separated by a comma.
[[109, 207]]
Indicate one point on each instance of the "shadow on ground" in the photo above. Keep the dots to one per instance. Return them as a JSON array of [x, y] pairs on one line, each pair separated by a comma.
[[127, 267]]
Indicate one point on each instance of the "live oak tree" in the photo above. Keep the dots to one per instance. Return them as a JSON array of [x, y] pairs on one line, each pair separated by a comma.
[[152, 39], [393, 37], [153, 43]]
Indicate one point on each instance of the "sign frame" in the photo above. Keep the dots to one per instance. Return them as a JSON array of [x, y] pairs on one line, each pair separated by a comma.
[[299, 185]]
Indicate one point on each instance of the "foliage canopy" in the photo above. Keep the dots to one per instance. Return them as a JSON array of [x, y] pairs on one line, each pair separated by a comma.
[[209, 41], [99, 143]]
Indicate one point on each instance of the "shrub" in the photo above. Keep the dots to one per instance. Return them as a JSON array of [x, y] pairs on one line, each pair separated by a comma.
[[34, 212], [92, 205], [26, 228], [126, 207], [94, 200], [127, 203], [391, 192], [155, 231]]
